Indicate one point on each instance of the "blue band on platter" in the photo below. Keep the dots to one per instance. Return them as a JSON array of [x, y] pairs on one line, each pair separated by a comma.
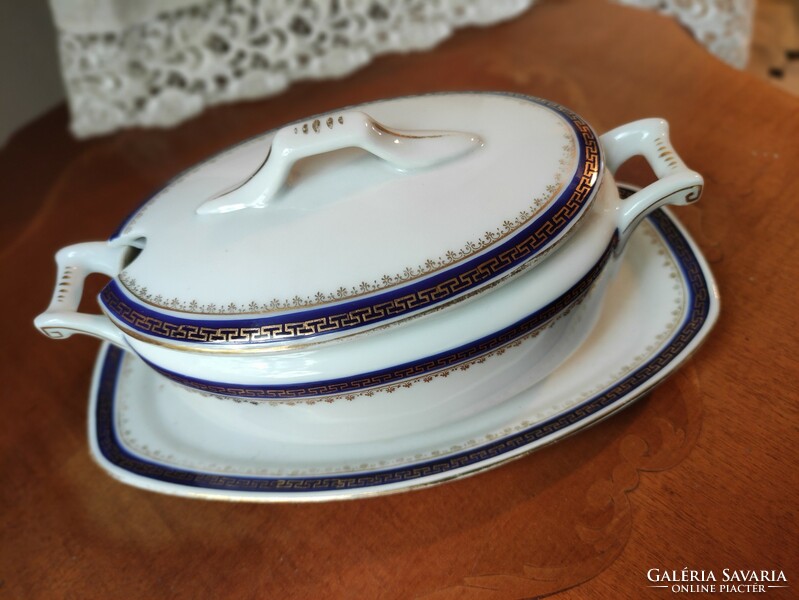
[[699, 305], [696, 317], [503, 259]]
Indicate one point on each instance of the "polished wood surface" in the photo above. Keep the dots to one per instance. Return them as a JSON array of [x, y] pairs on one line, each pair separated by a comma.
[[701, 474]]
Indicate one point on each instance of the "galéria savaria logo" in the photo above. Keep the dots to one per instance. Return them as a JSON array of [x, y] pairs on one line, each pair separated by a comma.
[[726, 581]]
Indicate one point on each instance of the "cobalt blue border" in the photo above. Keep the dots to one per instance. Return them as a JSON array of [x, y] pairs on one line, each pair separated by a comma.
[[381, 306], [700, 301], [396, 374]]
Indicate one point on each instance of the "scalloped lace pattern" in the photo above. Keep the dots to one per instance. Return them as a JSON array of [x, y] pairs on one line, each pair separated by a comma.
[[169, 68], [192, 54]]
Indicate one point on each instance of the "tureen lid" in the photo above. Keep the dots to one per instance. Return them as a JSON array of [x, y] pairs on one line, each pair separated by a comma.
[[354, 219]]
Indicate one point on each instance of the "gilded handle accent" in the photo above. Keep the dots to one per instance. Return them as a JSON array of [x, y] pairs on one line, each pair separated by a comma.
[[75, 263], [401, 148], [676, 184]]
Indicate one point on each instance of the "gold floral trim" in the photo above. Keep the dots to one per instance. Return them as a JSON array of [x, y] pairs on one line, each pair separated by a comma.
[[432, 265]]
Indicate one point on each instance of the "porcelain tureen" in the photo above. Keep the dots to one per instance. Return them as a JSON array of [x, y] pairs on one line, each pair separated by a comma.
[[372, 247]]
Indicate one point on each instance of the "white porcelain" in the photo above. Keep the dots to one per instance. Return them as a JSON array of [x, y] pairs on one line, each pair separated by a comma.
[[488, 185], [153, 434]]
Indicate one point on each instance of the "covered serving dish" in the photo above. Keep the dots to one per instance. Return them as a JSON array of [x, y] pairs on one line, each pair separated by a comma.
[[373, 247]]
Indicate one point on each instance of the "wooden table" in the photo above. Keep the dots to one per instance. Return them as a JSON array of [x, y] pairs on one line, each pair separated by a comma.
[[701, 474]]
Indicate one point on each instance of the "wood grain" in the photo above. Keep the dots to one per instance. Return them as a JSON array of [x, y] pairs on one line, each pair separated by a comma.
[[702, 473]]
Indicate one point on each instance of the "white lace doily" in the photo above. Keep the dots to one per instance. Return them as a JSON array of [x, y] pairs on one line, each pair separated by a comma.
[[159, 62], [128, 64]]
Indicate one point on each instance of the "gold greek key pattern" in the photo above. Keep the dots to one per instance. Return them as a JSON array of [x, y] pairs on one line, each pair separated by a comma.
[[410, 273], [196, 332], [363, 288], [387, 382], [406, 375]]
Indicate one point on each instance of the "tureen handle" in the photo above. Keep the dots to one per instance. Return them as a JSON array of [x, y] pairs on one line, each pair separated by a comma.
[[402, 148], [677, 184], [75, 263]]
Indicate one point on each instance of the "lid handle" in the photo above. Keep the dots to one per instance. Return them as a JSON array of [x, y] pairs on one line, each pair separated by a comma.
[[347, 129]]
